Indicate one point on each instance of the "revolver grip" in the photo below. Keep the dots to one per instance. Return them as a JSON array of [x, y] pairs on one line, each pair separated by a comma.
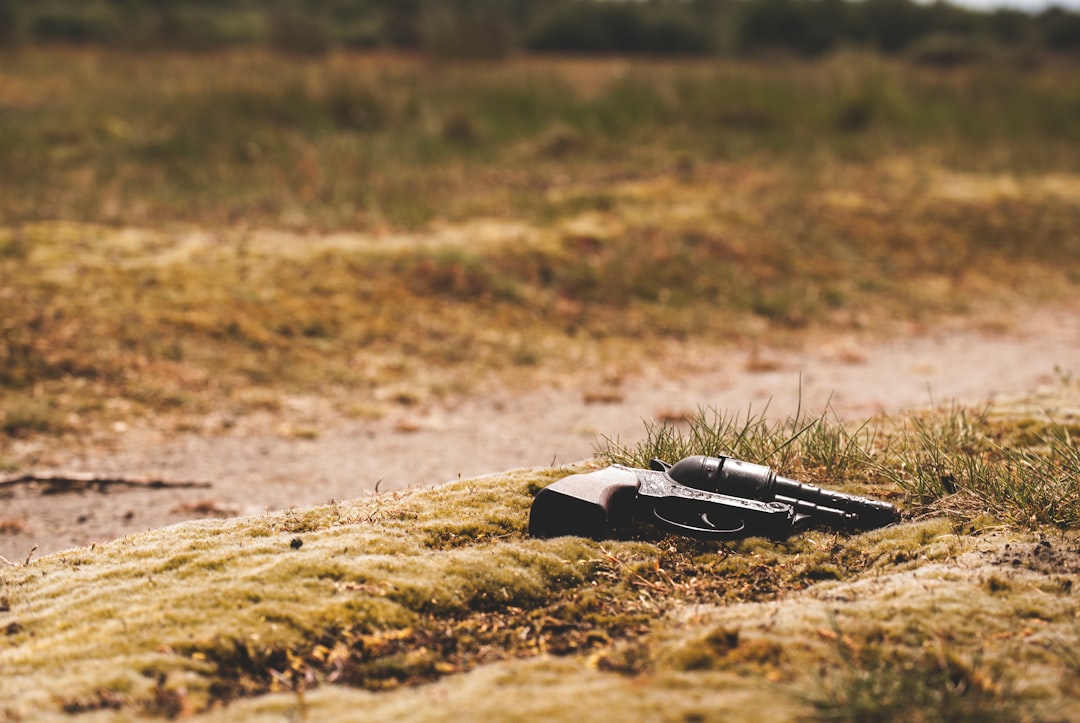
[[590, 504]]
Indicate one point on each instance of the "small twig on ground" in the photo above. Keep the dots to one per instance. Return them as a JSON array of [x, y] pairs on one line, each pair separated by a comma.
[[25, 562]]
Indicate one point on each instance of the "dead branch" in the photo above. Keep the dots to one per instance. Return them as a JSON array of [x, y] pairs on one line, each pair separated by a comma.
[[62, 482]]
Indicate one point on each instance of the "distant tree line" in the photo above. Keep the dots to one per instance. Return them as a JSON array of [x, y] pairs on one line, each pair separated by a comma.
[[493, 28]]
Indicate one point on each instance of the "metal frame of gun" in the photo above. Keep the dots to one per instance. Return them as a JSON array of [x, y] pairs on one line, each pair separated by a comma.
[[712, 498]]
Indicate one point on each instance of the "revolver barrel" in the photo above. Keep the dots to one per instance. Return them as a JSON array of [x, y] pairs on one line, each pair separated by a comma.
[[745, 479], [868, 513]]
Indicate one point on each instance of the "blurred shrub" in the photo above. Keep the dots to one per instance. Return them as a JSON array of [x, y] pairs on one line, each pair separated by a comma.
[[1060, 29], [658, 28], [892, 25], [815, 27], [8, 34], [195, 28], [467, 29], [87, 22], [947, 51], [807, 28], [296, 33]]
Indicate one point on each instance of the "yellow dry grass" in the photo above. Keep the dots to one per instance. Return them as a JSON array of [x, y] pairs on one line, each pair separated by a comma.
[[175, 324]]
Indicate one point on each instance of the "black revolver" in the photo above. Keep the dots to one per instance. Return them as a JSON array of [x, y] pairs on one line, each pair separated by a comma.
[[703, 497]]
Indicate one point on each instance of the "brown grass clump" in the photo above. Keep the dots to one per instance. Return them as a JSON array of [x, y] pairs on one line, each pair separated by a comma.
[[13, 525]]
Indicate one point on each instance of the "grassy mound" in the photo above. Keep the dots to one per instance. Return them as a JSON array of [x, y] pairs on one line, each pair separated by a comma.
[[434, 603]]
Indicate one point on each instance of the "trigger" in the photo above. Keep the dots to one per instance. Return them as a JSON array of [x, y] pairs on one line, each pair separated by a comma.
[[736, 525]]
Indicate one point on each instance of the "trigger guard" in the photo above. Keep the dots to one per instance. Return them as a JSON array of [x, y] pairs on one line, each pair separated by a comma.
[[701, 532]]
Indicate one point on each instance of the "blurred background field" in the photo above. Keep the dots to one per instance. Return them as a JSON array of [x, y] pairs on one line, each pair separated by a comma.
[[209, 210], [207, 205]]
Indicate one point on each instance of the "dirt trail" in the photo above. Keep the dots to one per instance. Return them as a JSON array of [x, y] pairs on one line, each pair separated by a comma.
[[249, 473]]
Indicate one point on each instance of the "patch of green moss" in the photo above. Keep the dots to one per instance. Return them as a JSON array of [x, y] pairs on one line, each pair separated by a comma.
[[441, 588], [239, 597], [724, 648]]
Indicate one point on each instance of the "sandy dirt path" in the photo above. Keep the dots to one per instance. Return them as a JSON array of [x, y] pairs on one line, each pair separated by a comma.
[[248, 473]]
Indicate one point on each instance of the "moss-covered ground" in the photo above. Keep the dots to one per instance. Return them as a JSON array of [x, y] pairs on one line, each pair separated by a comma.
[[435, 604]]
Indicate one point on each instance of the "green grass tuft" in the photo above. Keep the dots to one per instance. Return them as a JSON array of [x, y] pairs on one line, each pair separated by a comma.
[[966, 462]]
